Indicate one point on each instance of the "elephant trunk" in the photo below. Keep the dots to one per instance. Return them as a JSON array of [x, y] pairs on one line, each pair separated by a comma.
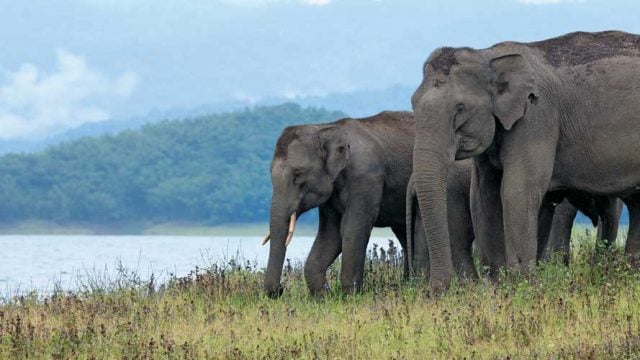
[[281, 225], [433, 155], [410, 219]]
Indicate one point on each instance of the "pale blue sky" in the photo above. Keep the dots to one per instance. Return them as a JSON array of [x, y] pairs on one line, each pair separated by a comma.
[[63, 63]]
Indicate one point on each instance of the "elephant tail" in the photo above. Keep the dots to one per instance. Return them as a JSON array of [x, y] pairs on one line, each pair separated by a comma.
[[410, 222]]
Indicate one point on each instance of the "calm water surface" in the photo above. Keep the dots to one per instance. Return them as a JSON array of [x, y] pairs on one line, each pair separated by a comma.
[[42, 262]]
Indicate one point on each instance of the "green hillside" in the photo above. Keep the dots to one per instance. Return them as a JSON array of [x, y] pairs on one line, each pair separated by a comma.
[[209, 170]]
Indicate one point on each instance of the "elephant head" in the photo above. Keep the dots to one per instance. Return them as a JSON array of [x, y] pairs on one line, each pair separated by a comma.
[[464, 96], [306, 162]]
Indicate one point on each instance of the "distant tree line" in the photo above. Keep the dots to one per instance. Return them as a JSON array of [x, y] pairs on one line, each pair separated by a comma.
[[212, 170]]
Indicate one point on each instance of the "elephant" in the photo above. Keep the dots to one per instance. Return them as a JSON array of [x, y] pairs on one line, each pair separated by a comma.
[[556, 114], [603, 211], [355, 171]]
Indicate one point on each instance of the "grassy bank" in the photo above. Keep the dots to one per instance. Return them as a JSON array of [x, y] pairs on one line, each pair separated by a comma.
[[589, 310]]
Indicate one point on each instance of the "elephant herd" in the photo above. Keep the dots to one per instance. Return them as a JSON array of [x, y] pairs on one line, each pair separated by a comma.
[[503, 147]]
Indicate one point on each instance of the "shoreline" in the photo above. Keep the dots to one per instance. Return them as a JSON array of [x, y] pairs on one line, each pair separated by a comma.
[[38, 227]]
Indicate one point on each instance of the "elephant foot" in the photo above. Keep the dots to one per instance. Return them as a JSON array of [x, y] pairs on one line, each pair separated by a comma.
[[565, 258], [406, 274], [467, 272], [468, 275], [276, 292], [317, 284], [522, 267], [557, 256], [491, 269], [351, 288], [320, 293], [632, 252], [603, 246], [439, 284], [634, 260]]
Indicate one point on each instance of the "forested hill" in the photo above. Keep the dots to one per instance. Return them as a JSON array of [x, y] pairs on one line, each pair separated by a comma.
[[211, 169]]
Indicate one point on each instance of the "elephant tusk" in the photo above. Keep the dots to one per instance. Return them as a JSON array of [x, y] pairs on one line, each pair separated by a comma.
[[266, 239], [292, 228]]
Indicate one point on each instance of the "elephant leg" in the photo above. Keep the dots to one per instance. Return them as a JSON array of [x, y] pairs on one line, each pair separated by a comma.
[[527, 156], [401, 234], [610, 209], [325, 250], [523, 190], [632, 248], [355, 230], [417, 246], [421, 262], [461, 234], [486, 212], [545, 223], [560, 234], [521, 211]]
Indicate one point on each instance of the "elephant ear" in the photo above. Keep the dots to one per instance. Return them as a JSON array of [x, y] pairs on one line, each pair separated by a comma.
[[512, 87], [335, 146]]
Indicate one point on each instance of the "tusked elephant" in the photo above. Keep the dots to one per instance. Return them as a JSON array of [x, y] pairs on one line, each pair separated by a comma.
[[558, 114], [356, 172]]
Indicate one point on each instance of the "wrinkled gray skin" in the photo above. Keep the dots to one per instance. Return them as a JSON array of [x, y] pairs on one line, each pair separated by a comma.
[[558, 114], [603, 211], [356, 172], [460, 226]]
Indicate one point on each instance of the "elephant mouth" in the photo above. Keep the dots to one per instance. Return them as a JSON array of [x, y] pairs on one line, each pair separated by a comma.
[[292, 224], [468, 147]]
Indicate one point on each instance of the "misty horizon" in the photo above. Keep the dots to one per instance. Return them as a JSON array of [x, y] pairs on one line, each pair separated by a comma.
[[77, 62]]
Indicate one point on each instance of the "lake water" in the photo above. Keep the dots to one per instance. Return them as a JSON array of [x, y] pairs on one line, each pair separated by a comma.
[[42, 262]]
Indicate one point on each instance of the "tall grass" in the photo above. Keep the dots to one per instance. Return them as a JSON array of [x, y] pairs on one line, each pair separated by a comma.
[[588, 310]]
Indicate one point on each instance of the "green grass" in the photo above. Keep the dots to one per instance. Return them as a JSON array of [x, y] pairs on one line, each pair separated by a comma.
[[589, 310]]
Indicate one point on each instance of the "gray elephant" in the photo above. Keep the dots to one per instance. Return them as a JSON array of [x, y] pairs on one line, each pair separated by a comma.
[[356, 172], [558, 114]]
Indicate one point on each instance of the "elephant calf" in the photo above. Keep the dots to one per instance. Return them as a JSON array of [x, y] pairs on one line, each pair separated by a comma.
[[356, 172], [603, 211]]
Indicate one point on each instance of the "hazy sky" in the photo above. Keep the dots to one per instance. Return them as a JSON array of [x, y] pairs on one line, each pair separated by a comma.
[[63, 63]]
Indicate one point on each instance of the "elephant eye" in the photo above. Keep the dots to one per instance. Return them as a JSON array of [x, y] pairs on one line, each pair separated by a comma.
[[502, 87], [297, 178], [459, 118]]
